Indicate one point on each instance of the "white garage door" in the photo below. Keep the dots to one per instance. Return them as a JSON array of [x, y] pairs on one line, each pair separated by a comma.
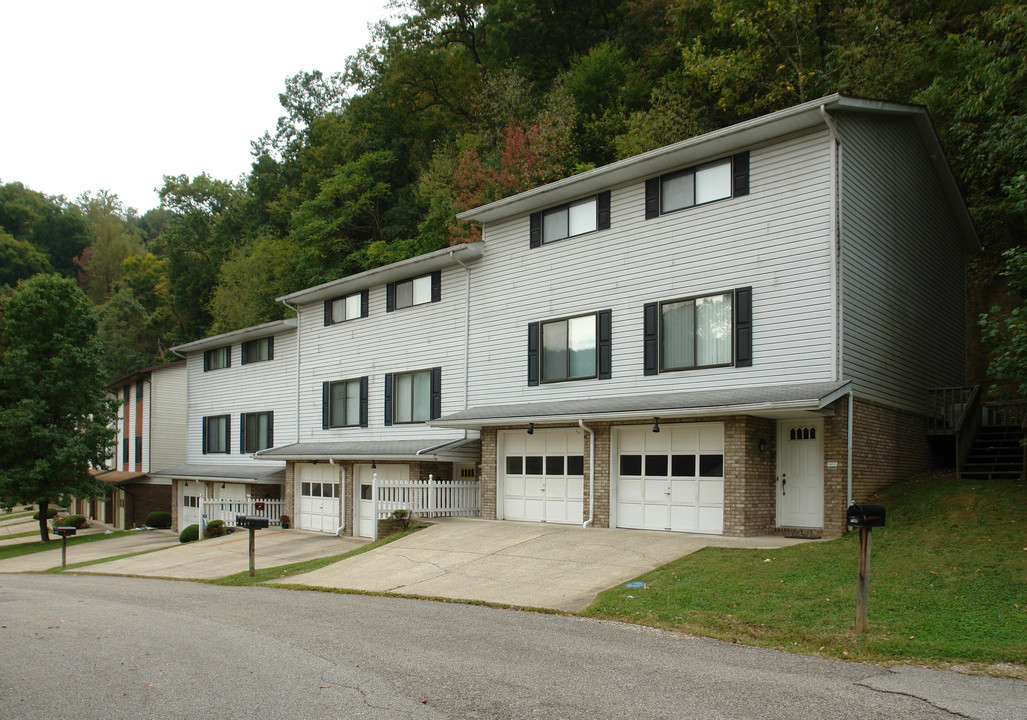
[[671, 480], [318, 494], [542, 475]]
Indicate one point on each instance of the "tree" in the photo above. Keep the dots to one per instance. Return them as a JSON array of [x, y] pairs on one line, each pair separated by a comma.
[[114, 240], [19, 259], [56, 417]]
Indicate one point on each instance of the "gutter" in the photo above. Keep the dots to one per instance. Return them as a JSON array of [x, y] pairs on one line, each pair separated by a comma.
[[591, 473]]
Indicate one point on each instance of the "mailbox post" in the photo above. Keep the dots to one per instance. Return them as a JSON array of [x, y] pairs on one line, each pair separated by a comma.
[[251, 522], [865, 517], [64, 531]]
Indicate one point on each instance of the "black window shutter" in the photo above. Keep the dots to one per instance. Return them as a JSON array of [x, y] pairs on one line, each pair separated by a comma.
[[740, 173], [390, 297], [271, 348], [242, 433], [652, 198], [139, 449], [204, 431], [271, 429], [533, 353], [436, 392], [650, 333], [436, 286], [228, 434], [603, 211], [363, 302], [743, 327], [325, 409], [124, 452], [228, 356], [328, 313], [206, 367], [388, 398], [244, 355], [535, 230], [363, 401], [605, 345]]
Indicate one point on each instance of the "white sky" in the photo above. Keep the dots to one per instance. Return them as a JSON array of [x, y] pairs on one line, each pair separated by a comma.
[[115, 94]]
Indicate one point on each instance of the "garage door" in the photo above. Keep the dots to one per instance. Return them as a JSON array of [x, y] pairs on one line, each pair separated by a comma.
[[672, 479], [318, 494], [543, 475]]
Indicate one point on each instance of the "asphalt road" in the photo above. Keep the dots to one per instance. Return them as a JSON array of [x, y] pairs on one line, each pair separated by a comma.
[[113, 647]]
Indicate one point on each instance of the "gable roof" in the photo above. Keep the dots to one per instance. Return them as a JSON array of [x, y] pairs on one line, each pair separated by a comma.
[[228, 338], [726, 141]]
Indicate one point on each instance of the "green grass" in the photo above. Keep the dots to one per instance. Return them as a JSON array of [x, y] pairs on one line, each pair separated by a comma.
[[13, 536], [948, 584], [27, 548], [16, 515]]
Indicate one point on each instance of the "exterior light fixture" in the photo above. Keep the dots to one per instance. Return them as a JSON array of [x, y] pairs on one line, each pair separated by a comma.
[[656, 424], [531, 428]]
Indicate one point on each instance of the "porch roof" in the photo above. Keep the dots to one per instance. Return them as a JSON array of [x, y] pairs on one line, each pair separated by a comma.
[[766, 401], [458, 450], [119, 477], [255, 475]]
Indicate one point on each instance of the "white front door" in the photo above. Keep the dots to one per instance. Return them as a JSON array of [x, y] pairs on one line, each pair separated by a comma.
[[543, 475], [672, 479], [800, 472], [189, 504], [363, 476], [318, 493]]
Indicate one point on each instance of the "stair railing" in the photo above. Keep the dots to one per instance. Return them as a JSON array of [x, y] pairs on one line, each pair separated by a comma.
[[966, 427]]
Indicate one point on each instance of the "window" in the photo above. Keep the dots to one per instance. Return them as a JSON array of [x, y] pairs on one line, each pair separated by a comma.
[[418, 290], [413, 397], [699, 332], [258, 350], [570, 220], [217, 358], [124, 453], [718, 180], [574, 348], [139, 390], [256, 431], [215, 434], [572, 465], [344, 403], [347, 307]]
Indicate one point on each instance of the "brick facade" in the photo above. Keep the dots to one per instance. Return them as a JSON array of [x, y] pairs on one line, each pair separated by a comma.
[[141, 500], [888, 445]]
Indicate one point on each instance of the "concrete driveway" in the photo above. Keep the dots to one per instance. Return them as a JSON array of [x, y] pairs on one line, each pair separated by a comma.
[[98, 549], [227, 555], [523, 564]]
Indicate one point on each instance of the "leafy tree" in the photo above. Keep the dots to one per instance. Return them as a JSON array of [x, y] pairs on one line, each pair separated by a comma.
[[19, 259], [53, 225], [114, 240], [1006, 331], [56, 417]]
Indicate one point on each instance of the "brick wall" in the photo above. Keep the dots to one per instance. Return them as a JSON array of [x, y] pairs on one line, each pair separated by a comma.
[[888, 445], [836, 434], [289, 493], [175, 484], [750, 476], [487, 472], [141, 500]]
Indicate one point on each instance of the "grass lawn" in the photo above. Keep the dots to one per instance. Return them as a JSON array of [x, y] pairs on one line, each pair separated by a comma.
[[948, 584]]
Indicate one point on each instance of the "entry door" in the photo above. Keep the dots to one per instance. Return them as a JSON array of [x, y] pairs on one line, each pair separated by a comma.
[[363, 477], [189, 504], [800, 484], [318, 497]]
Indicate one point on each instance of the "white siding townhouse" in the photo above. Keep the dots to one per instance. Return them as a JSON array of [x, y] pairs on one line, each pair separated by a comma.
[[240, 399], [733, 334]]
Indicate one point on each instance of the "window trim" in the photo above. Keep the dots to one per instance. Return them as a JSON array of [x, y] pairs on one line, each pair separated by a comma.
[[738, 182], [391, 291], [741, 332], [434, 396], [228, 434], [603, 348], [244, 437], [329, 317], [326, 404], [209, 355], [244, 350], [536, 222]]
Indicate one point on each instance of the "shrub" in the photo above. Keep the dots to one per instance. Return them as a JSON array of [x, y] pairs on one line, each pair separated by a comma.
[[285, 521], [50, 512], [159, 519], [215, 528], [75, 521], [402, 518], [190, 534]]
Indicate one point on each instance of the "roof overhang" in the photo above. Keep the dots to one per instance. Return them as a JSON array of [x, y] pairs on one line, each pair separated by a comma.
[[734, 138], [251, 333], [459, 450], [263, 474], [142, 374], [388, 273], [120, 477], [766, 401]]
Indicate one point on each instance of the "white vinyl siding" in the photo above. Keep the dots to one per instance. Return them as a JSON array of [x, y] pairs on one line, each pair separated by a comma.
[[777, 239], [164, 436], [903, 293]]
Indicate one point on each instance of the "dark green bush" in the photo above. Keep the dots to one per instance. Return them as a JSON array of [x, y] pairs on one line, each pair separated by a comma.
[[159, 519], [75, 521], [189, 534], [215, 528], [50, 512]]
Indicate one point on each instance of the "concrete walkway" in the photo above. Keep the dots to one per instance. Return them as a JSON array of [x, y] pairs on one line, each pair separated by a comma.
[[227, 555], [524, 564], [97, 549]]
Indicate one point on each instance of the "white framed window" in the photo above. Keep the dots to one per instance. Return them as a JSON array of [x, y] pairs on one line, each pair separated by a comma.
[[569, 348], [215, 434], [412, 397], [256, 431], [718, 180], [570, 220], [259, 350], [344, 403], [217, 358], [696, 332], [415, 291], [348, 307]]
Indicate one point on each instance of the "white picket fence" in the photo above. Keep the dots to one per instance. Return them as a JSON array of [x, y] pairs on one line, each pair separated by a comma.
[[431, 498], [226, 510]]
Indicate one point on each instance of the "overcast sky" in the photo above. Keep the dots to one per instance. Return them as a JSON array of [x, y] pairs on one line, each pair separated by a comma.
[[115, 94]]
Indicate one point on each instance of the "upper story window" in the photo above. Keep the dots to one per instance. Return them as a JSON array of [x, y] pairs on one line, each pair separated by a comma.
[[418, 290], [347, 307], [217, 358], [574, 348], [413, 397], [258, 350], [215, 434], [580, 217], [717, 180], [699, 332], [256, 431], [344, 404], [139, 390]]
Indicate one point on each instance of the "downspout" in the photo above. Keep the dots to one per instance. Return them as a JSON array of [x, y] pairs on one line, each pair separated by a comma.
[[299, 335], [342, 495], [848, 456], [174, 487], [591, 473], [467, 326]]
